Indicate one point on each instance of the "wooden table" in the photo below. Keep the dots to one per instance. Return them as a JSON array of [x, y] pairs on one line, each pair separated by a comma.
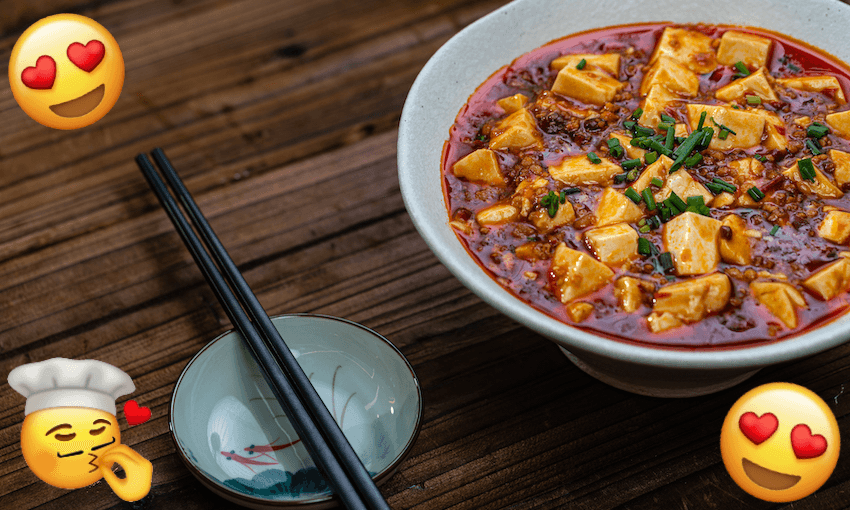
[[281, 117]]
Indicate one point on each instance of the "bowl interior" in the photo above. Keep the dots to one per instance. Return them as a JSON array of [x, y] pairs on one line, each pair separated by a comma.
[[451, 76], [232, 430]]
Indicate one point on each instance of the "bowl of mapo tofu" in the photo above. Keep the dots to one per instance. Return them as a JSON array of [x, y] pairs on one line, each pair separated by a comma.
[[665, 200]]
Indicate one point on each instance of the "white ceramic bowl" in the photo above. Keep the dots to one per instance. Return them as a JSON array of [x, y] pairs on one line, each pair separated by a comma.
[[468, 59], [233, 436]]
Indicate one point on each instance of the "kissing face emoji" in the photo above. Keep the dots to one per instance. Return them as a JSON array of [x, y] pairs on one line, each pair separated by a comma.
[[64, 445], [780, 442], [66, 71]]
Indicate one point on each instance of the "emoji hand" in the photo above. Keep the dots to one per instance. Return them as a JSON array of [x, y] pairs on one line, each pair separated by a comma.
[[139, 470]]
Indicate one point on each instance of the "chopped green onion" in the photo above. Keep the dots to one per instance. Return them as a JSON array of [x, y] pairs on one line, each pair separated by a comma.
[[550, 202], [708, 134], [644, 246], [644, 229], [731, 188], [665, 212], [753, 100], [724, 134], [633, 195], [671, 135], [666, 261], [722, 126], [685, 149], [714, 188], [637, 113], [614, 148], [675, 201], [664, 126], [814, 146], [817, 130], [693, 160], [774, 230], [696, 200], [581, 64], [642, 222], [632, 175], [807, 169], [563, 196], [655, 145], [657, 182], [650, 157], [742, 69], [755, 193], [701, 120], [620, 177], [667, 118], [649, 199], [654, 221], [640, 142], [570, 191], [593, 158], [643, 131], [736, 107], [630, 124], [630, 163], [760, 158]]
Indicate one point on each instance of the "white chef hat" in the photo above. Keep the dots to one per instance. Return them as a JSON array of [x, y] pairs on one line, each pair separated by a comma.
[[62, 382]]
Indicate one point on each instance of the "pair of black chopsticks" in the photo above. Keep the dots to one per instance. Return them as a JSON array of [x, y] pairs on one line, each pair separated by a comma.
[[323, 438]]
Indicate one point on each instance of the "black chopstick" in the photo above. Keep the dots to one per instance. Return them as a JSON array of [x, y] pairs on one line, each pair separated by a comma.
[[315, 426]]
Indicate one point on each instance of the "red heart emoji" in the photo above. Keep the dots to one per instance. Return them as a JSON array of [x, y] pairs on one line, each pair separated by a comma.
[[135, 414], [758, 429], [805, 445], [86, 57], [42, 75]]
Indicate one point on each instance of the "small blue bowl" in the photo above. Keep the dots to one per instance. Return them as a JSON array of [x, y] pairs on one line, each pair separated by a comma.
[[235, 438]]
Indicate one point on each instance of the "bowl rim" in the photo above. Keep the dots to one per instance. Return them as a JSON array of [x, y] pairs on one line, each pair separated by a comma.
[[318, 500], [482, 284]]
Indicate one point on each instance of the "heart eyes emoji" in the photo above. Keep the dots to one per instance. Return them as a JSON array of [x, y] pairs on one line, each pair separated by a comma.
[[42, 76], [759, 429]]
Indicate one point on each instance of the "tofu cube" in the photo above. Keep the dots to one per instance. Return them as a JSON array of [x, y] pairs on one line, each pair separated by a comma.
[[672, 75], [480, 166], [692, 240], [839, 123], [577, 274], [580, 311], [684, 186], [750, 49], [774, 129], [748, 127], [821, 187], [578, 171], [525, 192], [827, 85], [613, 244], [755, 84], [614, 207], [835, 227], [842, 167], [781, 299], [735, 249], [512, 103], [586, 86], [831, 280], [662, 321], [660, 169], [722, 200], [608, 62], [681, 130], [656, 103], [747, 170], [517, 131], [688, 47], [693, 300], [631, 151], [497, 214], [545, 223], [629, 293]]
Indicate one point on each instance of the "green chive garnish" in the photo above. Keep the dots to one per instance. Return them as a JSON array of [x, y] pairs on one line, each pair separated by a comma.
[[714, 188], [643, 131], [807, 169], [814, 146], [667, 118], [731, 188], [581, 64], [650, 157], [637, 113], [742, 68], [755, 193], [666, 261], [649, 199], [724, 134], [633, 195], [570, 191], [675, 201], [760, 158], [685, 149], [630, 163], [701, 120], [664, 126], [614, 148], [657, 182], [630, 124], [593, 158], [753, 100], [620, 177], [817, 130], [774, 230], [644, 246], [671, 136], [693, 160]]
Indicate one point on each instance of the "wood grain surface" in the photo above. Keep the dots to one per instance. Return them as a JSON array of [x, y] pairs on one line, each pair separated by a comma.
[[281, 117]]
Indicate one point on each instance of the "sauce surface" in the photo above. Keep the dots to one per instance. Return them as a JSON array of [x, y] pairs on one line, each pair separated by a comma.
[[568, 127]]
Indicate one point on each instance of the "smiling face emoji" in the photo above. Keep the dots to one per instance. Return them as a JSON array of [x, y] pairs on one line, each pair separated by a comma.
[[780, 442], [66, 71], [62, 445]]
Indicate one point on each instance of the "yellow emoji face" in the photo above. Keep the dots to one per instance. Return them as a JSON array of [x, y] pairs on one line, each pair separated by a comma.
[[780, 442], [63, 445], [66, 71]]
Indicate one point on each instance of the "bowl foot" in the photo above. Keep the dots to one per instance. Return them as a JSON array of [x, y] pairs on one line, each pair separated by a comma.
[[664, 382]]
